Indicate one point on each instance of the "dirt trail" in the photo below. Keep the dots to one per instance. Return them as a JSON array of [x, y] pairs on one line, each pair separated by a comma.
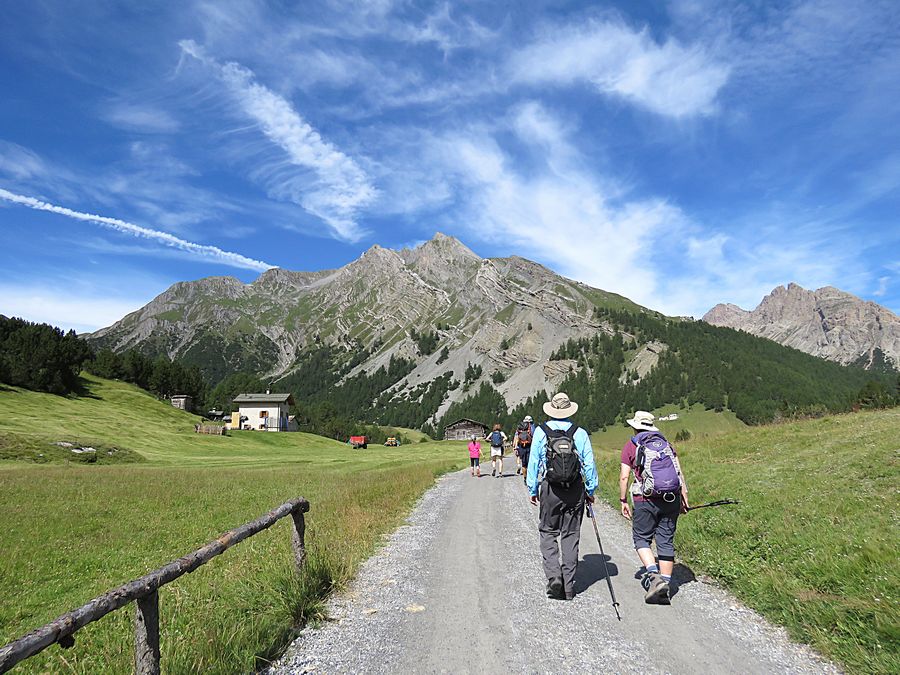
[[460, 589]]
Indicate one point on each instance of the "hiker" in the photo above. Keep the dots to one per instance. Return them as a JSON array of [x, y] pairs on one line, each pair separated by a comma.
[[497, 440], [524, 436], [475, 456], [561, 478], [659, 493]]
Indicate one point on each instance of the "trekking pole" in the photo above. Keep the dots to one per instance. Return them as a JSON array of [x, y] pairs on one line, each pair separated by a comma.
[[612, 593], [721, 502]]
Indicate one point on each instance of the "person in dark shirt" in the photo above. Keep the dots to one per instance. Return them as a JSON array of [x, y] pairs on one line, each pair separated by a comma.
[[523, 438]]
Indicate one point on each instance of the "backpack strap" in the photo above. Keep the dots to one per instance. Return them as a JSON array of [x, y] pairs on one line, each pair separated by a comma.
[[545, 429], [638, 455]]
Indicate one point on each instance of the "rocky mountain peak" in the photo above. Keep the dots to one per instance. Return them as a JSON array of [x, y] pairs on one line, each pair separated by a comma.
[[827, 322], [441, 246], [725, 314]]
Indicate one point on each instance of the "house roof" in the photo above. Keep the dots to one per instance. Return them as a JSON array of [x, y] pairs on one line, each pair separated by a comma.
[[466, 419], [264, 398]]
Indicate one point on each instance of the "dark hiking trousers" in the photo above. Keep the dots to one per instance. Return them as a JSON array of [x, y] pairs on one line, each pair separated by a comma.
[[561, 512], [657, 519]]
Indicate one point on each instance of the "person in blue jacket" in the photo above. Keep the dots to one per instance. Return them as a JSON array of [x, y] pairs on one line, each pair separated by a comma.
[[562, 504]]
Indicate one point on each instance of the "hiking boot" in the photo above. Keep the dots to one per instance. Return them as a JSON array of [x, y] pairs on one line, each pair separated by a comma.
[[555, 589], [657, 589]]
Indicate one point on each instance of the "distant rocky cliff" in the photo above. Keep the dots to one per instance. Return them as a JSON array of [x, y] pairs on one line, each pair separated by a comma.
[[828, 323]]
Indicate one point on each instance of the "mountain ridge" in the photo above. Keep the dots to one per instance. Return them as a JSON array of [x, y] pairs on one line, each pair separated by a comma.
[[502, 315], [826, 322], [415, 337]]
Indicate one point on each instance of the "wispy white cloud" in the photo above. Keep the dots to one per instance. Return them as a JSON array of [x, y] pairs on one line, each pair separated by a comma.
[[139, 117], [560, 213], [448, 33], [881, 291], [19, 162], [338, 188], [669, 78], [199, 251]]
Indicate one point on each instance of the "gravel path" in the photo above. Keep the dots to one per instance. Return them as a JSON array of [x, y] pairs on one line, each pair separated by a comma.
[[460, 589]]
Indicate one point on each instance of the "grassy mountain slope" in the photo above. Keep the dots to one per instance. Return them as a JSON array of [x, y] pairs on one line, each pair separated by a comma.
[[71, 531], [813, 543]]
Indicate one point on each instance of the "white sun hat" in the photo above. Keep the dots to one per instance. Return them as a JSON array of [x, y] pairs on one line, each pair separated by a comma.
[[560, 407], [642, 421], [528, 419]]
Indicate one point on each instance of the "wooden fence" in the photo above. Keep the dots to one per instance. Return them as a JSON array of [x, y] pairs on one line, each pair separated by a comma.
[[145, 591], [211, 429]]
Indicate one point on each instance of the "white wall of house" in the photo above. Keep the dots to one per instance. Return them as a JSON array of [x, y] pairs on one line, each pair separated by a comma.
[[263, 416]]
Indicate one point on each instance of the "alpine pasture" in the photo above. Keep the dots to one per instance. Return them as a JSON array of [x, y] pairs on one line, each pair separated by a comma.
[[70, 531], [812, 545]]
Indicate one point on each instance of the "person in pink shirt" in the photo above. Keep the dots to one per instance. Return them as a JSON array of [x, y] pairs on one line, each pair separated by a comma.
[[475, 456]]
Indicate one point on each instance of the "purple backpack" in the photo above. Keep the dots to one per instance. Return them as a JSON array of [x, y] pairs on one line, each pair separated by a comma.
[[656, 460]]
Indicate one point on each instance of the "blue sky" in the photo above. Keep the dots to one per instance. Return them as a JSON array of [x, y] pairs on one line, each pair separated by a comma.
[[682, 153]]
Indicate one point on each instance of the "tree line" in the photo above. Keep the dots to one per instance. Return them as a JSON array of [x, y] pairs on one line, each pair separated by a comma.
[[720, 368], [41, 357]]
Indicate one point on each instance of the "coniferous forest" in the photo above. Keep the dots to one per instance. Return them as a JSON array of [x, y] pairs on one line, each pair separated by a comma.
[[759, 380]]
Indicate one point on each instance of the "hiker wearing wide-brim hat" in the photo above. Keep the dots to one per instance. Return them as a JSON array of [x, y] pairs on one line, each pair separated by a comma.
[[561, 477], [659, 493]]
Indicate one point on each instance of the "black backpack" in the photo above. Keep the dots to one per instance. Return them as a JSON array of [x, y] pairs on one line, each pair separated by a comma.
[[563, 463]]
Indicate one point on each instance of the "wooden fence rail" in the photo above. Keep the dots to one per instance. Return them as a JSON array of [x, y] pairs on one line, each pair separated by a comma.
[[145, 592]]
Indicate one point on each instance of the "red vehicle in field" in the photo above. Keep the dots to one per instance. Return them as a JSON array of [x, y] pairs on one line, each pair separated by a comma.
[[358, 442]]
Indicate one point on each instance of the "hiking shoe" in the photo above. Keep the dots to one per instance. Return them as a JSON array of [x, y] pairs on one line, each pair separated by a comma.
[[493, 472], [657, 589], [555, 589]]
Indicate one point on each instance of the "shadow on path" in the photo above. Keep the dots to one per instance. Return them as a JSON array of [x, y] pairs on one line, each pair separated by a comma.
[[591, 570]]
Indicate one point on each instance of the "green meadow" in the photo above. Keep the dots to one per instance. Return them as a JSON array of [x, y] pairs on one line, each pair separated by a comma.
[[70, 531], [813, 544]]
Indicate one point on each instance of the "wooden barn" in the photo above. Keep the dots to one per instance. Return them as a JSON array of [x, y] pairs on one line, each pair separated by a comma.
[[462, 430], [183, 402]]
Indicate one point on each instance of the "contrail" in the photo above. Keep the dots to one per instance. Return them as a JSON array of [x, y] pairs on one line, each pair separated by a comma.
[[342, 187], [211, 253]]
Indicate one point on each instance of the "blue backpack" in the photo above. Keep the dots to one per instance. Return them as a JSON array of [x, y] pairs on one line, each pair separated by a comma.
[[656, 460], [496, 439]]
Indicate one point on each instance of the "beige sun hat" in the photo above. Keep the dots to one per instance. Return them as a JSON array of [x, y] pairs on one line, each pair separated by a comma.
[[642, 421], [560, 407]]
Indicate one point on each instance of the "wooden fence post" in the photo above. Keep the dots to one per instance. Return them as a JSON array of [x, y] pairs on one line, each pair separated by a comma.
[[298, 537], [146, 635], [146, 619]]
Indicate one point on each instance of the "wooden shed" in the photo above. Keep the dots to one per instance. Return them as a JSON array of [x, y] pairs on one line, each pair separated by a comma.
[[462, 430], [183, 402]]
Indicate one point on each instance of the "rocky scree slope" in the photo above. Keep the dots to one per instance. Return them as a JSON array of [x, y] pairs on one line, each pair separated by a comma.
[[504, 315], [827, 322]]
